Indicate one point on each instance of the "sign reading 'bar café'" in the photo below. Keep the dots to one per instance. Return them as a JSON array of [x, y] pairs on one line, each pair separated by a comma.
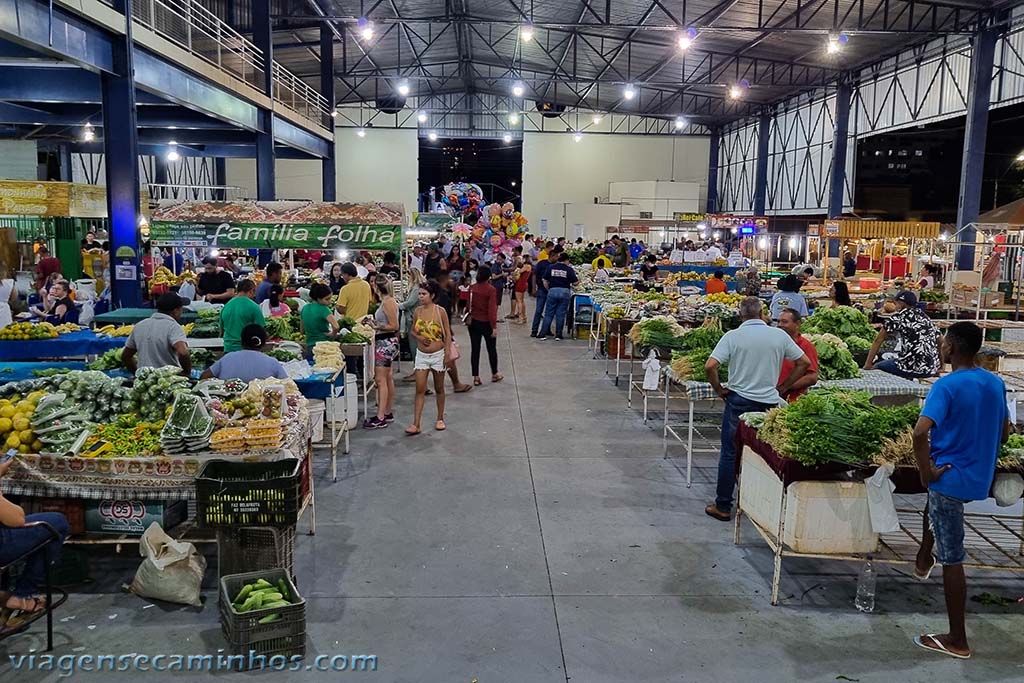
[[279, 225]]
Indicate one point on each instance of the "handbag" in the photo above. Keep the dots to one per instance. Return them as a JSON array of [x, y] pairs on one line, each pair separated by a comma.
[[454, 353]]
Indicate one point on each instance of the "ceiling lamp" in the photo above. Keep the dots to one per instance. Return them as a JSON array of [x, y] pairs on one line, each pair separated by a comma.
[[735, 92], [421, 117], [526, 33], [597, 118], [506, 138], [518, 89], [836, 42], [629, 92], [1020, 157], [432, 136], [365, 27], [88, 134], [172, 153], [577, 137], [403, 87], [334, 113], [686, 38], [680, 123], [513, 118], [361, 132]]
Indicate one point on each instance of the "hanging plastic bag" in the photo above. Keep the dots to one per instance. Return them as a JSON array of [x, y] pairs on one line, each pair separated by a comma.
[[881, 507], [652, 376], [1007, 488], [171, 571], [88, 312]]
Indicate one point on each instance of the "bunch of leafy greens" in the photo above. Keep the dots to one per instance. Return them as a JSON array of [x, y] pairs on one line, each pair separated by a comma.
[[842, 321], [279, 328], [659, 331], [703, 337], [857, 344], [834, 360], [834, 426]]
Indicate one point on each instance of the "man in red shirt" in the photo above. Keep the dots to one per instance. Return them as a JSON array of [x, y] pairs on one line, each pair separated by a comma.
[[47, 266], [789, 321]]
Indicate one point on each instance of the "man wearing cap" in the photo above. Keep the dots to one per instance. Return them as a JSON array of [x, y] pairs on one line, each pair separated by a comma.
[[159, 340], [918, 349]]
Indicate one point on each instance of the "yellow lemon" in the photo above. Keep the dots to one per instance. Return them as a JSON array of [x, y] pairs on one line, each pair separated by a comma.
[[5, 425], [7, 411], [23, 448], [26, 436], [19, 423], [24, 407], [37, 446], [13, 441]]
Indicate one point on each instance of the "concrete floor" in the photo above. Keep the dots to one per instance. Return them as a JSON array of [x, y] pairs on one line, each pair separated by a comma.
[[543, 538]]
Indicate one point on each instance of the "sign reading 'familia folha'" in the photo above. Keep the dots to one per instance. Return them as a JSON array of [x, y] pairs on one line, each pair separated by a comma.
[[274, 225]]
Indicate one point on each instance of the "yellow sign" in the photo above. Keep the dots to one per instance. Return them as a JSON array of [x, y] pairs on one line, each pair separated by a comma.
[[28, 198], [892, 229]]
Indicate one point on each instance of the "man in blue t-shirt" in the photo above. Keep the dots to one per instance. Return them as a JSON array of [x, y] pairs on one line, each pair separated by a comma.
[[967, 418], [558, 281]]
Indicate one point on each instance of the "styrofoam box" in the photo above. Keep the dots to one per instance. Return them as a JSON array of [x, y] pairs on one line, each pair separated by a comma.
[[821, 516]]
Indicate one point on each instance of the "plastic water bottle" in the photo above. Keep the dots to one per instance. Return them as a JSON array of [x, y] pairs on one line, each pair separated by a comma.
[[865, 600]]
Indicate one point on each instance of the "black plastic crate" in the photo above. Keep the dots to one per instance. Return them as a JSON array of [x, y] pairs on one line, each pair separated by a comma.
[[244, 633], [255, 548], [231, 494]]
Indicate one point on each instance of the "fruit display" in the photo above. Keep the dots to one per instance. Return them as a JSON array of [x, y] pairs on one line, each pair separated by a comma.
[[725, 298], [164, 276], [155, 390], [28, 331], [16, 430], [616, 312], [690, 276], [115, 330], [66, 328], [261, 595], [125, 437]]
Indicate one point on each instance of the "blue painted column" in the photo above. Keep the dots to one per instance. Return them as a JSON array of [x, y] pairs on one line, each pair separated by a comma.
[[716, 142], [761, 170], [840, 143], [330, 172], [983, 47], [121, 161], [265, 156]]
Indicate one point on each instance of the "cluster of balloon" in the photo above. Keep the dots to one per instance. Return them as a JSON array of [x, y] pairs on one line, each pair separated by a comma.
[[498, 226]]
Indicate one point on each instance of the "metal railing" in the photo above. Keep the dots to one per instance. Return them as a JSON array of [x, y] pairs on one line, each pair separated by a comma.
[[214, 193], [202, 33]]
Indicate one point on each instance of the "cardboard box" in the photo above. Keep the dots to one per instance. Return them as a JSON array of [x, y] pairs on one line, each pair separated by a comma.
[[970, 299], [132, 517]]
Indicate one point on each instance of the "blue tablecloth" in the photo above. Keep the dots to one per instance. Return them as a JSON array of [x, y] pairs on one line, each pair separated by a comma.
[[72, 345], [17, 372], [317, 386]]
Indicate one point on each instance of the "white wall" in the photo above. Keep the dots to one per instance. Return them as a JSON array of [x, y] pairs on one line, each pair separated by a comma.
[[18, 160], [383, 167], [563, 218], [557, 170]]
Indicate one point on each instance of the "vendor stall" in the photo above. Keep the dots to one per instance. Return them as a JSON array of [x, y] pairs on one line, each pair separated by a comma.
[[881, 249], [79, 344]]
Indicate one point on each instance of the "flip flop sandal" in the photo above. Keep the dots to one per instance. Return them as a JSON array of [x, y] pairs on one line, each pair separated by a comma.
[[497, 378], [928, 574], [477, 382], [939, 647], [440, 426], [464, 389], [412, 431]]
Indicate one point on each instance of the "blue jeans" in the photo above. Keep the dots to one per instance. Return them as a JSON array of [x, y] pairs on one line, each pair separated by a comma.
[[555, 309], [735, 405], [16, 542], [538, 313], [889, 365], [946, 518]]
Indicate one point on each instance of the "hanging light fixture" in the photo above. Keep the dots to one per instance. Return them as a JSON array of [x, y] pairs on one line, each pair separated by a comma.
[[629, 92], [421, 117], [365, 27], [403, 87], [526, 33], [361, 132], [513, 118], [506, 138], [597, 118], [577, 136], [432, 136], [680, 123], [172, 153], [518, 89], [88, 134], [735, 92], [686, 38]]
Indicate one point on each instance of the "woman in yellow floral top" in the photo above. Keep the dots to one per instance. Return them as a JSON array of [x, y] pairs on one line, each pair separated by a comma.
[[433, 334]]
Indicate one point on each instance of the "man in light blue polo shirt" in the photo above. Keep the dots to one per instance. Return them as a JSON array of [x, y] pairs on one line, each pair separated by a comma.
[[754, 352]]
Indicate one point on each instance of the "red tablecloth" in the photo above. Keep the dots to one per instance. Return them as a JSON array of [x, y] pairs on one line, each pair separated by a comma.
[[789, 470]]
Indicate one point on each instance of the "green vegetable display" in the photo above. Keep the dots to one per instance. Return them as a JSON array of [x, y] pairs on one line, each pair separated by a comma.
[[260, 595], [842, 321], [201, 358], [111, 360], [282, 355], [834, 359], [352, 338], [857, 344], [834, 426], [102, 398], [207, 325], [933, 296], [154, 390], [280, 328]]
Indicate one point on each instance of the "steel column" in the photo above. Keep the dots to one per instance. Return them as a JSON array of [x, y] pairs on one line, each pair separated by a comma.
[[220, 171], [761, 170], [983, 49], [329, 172], [716, 143], [66, 163], [262, 35], [840, 142], [121, 156]]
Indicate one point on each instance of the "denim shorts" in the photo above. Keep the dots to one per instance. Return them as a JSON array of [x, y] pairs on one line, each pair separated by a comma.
[[946, 516]]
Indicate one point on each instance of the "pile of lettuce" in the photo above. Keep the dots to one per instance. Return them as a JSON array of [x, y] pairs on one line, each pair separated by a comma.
[[834, 358], [845, 322]]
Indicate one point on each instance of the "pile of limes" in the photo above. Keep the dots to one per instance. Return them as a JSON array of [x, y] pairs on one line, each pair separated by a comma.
[[27, 331], [15, 426]]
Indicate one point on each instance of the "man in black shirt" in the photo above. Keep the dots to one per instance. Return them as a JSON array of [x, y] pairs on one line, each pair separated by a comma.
[[215, 285], [540, 271], [560, 278], [433, 263]]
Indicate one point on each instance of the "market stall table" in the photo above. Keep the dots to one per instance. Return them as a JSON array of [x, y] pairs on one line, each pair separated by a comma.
[[325, 386], [81, 344], [130, 316], [875, 382], [994, 542], [20, 371]]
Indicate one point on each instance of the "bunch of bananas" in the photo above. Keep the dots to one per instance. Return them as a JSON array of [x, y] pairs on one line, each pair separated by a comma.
[[115, 331], [67, 327], [27, 331], [164, 276], [187, 276]]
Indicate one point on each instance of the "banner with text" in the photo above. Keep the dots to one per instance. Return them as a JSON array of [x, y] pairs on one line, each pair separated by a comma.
[[263, 236]]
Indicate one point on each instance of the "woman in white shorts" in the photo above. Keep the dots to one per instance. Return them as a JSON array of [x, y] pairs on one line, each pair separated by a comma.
[[433, 335]]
